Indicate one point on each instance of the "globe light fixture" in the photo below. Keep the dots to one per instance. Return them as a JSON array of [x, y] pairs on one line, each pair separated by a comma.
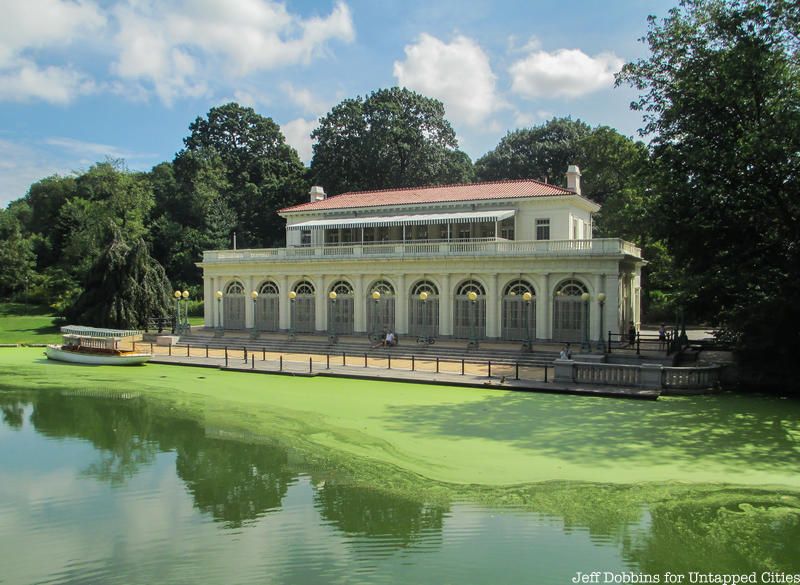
[[254, 295], [376, 295], [185, 295], [472, 296], [527, 297], [292, 295], [332, 295], [423, 296], [177, 294]]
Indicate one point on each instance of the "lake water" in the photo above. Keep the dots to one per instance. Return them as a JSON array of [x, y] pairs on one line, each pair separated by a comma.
[[117, 489]]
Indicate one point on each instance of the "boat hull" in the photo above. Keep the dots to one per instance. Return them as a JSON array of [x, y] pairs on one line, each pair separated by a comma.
[[55, 352]]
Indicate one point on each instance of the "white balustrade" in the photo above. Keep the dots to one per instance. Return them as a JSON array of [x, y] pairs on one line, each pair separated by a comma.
[[480, 247]]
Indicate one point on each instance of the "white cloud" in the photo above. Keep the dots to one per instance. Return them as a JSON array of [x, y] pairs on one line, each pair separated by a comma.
[[457, 73], [36, 24], [26, 81], [40, 24], [298, 135], [93, 150], [563, 73], [305, 99], [177, 46]]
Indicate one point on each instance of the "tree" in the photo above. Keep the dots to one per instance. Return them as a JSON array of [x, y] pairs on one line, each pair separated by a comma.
[[124, 287], [721, 96], [263, 173], [391, 138], [17, 260], [541, 152]]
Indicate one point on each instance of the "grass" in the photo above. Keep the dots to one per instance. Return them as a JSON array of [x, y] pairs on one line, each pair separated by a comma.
[[20, 323]]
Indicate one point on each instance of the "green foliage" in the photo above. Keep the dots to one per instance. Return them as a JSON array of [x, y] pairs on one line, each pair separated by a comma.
[[721, 94], [124, 288], [17, 260], [241, 157], [542, 152], [391, 138]]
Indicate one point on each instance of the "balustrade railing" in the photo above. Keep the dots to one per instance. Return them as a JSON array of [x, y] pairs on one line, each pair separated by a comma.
[[691, 378], [480, 247], [608, 374]]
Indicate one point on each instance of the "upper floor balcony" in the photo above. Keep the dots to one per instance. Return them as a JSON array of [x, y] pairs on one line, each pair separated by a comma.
[[477, 247]]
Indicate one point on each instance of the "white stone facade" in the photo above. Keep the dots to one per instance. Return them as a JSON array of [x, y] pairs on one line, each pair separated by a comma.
[[354, 249]]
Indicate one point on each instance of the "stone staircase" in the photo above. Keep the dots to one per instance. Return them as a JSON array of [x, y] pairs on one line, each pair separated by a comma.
[[501, 353]]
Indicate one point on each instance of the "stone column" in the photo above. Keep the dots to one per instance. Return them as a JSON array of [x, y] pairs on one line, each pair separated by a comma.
[[360, 304], [208, 299], [613, 303], [445, 306], [544, 309], [401, 304], [283, 303], [493, 306], [321, 303], [249, 314]]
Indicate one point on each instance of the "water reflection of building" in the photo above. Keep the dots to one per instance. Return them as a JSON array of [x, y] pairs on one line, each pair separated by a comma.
[[498, 240]]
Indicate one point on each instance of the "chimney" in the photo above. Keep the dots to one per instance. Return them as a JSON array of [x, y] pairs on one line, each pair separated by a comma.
[[317, 193], [574, 179]]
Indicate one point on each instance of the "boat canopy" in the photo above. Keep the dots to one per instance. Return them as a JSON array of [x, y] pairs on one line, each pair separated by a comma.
[[82, 331]]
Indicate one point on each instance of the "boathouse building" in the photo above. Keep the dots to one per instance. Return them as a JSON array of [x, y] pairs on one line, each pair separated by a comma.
[[510, 260]]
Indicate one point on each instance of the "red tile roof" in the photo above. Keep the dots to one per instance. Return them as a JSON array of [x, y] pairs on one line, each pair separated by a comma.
[[466, 192]]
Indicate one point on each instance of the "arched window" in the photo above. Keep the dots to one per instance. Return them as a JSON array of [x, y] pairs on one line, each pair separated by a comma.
[[268, 288], [234, 288], [382, 286], [570, 313], [380, 311], [518, 321], [423, 316], [304, 287], [469, 286], [424, 286], [342, 288], [341, 313], [302, 311], [518, 288], [267, 307], [469, 317], [233, 305], [570, 288]]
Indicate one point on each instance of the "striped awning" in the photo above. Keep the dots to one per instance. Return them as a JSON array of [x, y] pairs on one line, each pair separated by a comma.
[[392, 220]]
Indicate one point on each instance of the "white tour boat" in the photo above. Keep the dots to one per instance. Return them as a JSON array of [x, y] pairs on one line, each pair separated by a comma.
[[94, 346]]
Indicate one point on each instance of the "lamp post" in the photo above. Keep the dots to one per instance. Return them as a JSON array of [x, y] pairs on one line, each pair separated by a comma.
[[218, 296], [254, 333], [177, 326], [376, 296], [472, 297], [585, 345], [292, 299], [601, 340], [331, 311], [527, 298]]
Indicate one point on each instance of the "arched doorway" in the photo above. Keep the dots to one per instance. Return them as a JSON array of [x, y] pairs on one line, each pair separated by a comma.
[[303, 310], [423, 315], [380, 311], [570, 312], [469, 317], [267, 307], [233, 305], [519, 315], [340, 309]]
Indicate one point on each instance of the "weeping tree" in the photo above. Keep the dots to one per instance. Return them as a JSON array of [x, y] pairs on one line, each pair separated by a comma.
[[124, 287]]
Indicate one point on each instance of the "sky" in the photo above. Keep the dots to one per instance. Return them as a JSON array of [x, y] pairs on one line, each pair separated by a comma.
[[84, 80]]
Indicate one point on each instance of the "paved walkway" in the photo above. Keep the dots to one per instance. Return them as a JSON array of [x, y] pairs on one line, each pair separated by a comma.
[[475, 375]]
